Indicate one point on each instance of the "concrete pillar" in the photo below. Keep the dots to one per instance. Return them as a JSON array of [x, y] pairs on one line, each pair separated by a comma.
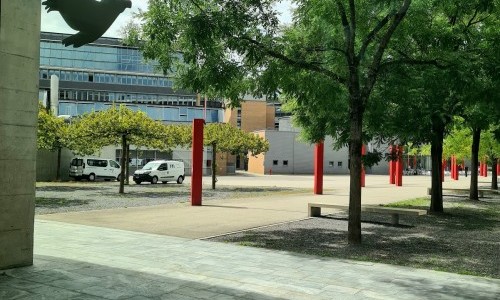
[[19, 64], [54, 95]]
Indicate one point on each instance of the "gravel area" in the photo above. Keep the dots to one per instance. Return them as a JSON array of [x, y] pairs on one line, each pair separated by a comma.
[[58, 197], [466, 239]]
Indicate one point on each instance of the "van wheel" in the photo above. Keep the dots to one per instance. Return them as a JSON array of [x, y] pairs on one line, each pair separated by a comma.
[[137, 181], [91, 177], [180, 180], [154, 180]]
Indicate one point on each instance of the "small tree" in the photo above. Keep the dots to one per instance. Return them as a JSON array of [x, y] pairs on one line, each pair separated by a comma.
[[225, 138], [52, 135], [117, 126]]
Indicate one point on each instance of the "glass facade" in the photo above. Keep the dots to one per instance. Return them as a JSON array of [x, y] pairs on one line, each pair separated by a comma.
[[95, 76], [94, 57]]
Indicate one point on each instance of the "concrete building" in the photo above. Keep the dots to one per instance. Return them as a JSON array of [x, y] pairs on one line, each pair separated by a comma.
[[289, 155], [19, 62]]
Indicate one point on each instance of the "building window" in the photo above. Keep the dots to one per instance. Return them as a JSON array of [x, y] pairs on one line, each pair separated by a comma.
[[331, 163], [238, 123], [285, 163], [91, 77], [275, 162], [339, 164], [239, 113]]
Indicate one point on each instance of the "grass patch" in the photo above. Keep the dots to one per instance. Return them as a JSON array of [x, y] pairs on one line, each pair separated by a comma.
[[423, 202], [58, 202]]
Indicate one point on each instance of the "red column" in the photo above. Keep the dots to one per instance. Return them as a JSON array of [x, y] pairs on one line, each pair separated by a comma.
[[453, 166], [392, 165], [363, 153], [498, 167], [399, 166], [443, 167], [480, 169], [197, 162], [485, 172], [319, 150], [456, 169]]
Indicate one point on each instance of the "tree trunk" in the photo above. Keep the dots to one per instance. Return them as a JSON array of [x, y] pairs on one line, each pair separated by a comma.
[[437, 158], [494, 180], [127, 159], [122, 163], [214, 164], [476, 138], [58, 171], [355, 144]]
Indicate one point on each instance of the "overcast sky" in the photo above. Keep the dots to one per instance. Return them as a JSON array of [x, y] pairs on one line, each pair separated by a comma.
[[53, 21]]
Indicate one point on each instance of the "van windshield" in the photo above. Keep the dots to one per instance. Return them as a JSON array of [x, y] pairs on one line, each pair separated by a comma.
[[151, 166], [77, 162]]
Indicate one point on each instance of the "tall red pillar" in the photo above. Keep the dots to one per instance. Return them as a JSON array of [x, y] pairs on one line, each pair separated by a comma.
[[498, 167], [392, 165], [485, 172], [363, 174], [456, 170], [453, 167], [319, 150], [399, 166], [197, 162]]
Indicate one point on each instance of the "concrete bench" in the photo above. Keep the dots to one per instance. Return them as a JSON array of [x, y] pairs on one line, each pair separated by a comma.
[[314, 210], [480, 193]]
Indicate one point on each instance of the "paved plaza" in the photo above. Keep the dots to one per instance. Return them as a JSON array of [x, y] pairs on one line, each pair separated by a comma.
[[155, 253], [85, 262]]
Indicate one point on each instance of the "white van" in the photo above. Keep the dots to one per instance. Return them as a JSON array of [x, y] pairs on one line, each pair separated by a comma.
[[160, 170], [92, 168]]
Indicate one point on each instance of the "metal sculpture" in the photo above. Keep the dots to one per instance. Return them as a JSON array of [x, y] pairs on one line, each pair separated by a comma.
[[91, 18]]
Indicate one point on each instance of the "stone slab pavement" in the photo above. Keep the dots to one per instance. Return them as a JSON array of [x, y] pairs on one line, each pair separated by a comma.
[[84, 262], [218, 217]]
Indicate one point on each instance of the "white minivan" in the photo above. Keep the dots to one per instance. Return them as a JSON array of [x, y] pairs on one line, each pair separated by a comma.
[[92, 168], [160, 170]]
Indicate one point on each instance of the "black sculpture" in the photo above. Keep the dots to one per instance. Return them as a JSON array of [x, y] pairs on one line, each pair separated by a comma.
[[91, 18]]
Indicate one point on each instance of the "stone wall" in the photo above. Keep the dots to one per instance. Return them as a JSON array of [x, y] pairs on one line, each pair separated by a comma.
[[19, 63]]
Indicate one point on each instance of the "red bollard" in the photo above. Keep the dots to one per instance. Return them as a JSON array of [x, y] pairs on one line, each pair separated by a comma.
[[392, 166], [363, 153], [197, 162], [443, 167], [399, 166], [485, 172], [318, 168], [498, 167]]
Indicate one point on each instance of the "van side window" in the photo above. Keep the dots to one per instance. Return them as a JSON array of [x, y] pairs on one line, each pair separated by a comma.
[[163, 167], [97, 163]]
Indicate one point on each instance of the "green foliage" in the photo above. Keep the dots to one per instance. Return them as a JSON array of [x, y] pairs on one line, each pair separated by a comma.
[[52, 131], [98, 129], [230, 139]]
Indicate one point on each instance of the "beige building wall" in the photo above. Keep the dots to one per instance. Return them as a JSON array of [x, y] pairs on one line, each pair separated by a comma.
[[19, 63], [256, 163]]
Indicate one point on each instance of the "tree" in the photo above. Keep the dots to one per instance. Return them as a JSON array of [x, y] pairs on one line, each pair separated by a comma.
[[225, 138], [226, 45], [52, 135], [426, 100], [489, 152], [118, 126]]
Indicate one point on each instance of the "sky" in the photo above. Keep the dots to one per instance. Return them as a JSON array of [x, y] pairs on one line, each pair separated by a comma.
[[53, 22]]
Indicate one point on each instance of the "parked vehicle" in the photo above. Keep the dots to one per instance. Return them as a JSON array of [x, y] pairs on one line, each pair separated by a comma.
[[135, 162], [92, 168], [160, 170]]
